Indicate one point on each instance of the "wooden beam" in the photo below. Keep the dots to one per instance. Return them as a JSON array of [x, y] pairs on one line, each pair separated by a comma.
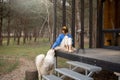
[[73, 22], [64, 13], [111, 30], [54, 19], [82, 25], [90, 23], [99, 38]]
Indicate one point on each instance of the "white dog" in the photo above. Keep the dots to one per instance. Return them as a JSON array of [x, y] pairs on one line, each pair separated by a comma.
[[45, 64]]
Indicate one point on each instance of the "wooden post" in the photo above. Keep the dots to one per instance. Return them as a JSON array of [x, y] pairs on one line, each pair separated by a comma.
[[82, 25], [99, 38], [64, 13], [54, 19], [73, 22], [90, 23], [31, 75]]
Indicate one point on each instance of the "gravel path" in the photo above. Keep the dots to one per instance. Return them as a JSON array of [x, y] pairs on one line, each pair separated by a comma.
[[19, 73]]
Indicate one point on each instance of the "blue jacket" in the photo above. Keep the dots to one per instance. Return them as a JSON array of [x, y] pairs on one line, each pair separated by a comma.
[[59, 40]]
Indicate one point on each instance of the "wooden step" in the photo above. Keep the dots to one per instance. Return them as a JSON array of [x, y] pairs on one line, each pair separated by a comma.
[[85, 66], [89, 69], [72, 74], [51, 77]]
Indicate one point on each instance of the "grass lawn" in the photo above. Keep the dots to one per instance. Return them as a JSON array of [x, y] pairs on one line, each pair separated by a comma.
[[27, 50], [7, 65], [9, 55]]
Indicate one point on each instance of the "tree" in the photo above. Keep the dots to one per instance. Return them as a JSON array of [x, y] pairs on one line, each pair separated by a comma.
[[8, 27], [1, 20], [27, 16]]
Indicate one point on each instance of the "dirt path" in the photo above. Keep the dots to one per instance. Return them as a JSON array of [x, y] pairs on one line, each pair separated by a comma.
[[19, 73]]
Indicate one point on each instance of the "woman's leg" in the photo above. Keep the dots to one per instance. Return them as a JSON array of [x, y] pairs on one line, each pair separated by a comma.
[[70, 45], [67, 43], [64, 42]]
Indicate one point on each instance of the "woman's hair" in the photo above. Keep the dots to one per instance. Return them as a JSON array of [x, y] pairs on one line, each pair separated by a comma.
[[65, 29]]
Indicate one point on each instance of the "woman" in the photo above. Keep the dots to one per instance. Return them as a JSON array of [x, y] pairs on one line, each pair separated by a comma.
[[63, 41]]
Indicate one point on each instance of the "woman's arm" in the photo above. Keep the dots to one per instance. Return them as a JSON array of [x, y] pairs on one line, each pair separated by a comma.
[[58, 41]]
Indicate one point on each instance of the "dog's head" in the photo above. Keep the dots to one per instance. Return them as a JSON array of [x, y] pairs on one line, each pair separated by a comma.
[[51, 52]]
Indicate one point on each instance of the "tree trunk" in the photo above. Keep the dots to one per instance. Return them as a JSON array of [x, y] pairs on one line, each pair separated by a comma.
[[24, 36], [42, 27], [15, 35], [18, 36], [8, 27], [49, 29], [50, 24], [35, 35], [8, 37], [30, 36], [78, 24], [1, 21], [8, 30]]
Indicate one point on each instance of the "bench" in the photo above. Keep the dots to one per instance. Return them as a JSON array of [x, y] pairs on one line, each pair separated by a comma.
[[50, 77], [72, 74], [87, 67]]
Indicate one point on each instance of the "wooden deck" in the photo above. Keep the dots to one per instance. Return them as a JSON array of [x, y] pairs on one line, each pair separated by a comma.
[[105, 58]]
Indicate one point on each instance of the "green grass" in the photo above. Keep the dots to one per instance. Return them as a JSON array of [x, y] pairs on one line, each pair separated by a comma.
[[8, 65], [62, 62], [28, 49], [9, 55]]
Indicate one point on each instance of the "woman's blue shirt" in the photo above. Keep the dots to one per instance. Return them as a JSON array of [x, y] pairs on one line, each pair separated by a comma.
[[59, 39]]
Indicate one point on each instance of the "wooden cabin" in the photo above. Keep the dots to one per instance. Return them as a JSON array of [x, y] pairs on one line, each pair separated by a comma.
[[106, 54]]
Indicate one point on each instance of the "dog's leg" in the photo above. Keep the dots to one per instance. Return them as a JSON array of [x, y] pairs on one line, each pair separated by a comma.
[[39, 74], [39, 59], [51, 69]]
